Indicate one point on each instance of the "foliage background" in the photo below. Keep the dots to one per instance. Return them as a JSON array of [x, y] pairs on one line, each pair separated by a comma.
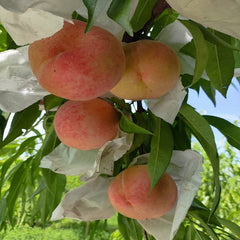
[[29, 194]]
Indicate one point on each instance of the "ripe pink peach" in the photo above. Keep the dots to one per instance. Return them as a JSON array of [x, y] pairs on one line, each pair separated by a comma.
[[152, 70], [76, 65], [86, 125], [129, 193]]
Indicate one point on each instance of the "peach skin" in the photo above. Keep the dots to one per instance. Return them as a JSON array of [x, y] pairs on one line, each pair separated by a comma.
[[129, 193], [86, 125], [152, 70], [76, 65]]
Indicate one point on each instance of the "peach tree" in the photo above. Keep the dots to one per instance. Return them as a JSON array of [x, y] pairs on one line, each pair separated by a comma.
[[157, 132]]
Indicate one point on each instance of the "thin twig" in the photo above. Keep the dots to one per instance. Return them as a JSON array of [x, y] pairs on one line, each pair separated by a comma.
[[145, 234]]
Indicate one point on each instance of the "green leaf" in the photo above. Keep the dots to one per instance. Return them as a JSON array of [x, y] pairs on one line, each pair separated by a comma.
[[182, 140], [201, 236], [235, 229], [161, 149], [142, 14], [128, 126], [202, 83], [52, 101], [189, 49], [77, 16], [204, 212], [41, 186], [180, 235], [3, 123], [94, 8], [119, 11], [220, 67], [212, 36], [50, 142], [6, 42], [208, 89], [3, 39], [123, 227], [210, 231], [129, 228], [55, 185], [236, 44], [7, 164], [3, 207], [229, 130], [51, 196], [203, 132], [190, 233], [201, 49], [165, 18], [21, 120], [17, 183]]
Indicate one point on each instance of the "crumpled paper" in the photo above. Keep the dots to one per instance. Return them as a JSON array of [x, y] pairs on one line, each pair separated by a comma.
[[18, 86], [90, 202], [218, 14], [167, 106], [87, 202], [74, 162], [28, 21]]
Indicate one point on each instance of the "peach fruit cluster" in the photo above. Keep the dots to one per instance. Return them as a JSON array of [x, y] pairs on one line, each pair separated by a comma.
[[81, 67]]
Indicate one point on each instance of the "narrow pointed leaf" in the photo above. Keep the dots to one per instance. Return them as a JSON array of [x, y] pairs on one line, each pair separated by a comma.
[[7, 164], [236, 44], [3, 123], [50, 142], [130, 228], [123, 227], [52, 101], [129, 126], [229, 130], [211, 36], [94, 8], [208, 89], [235, 229], [180, 235], [189, 49], [55, 186], [17, 183], [21, 120], [142, 14], [182, 140], [220, 67], [49, 197], [161, 150], [203, 132], [201, 236], [190, 234], [202, 83], [201, 49], [166, 17], [3, 39], [209, 230], [3, 207], [119, 11]]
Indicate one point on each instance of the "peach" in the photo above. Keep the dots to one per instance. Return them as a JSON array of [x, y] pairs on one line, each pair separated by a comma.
[[129, 193], [77, 66], [152, 70], [86, 125]]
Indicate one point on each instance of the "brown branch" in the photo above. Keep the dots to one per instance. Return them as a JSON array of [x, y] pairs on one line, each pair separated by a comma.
[[145, 234]]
